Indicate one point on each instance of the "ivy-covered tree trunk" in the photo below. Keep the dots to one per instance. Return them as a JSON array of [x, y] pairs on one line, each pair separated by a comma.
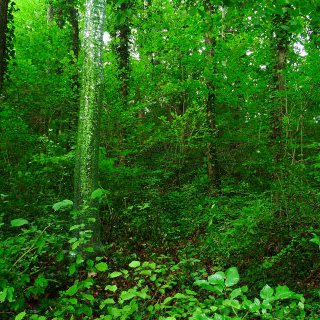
[[3, 30], [86, 172]]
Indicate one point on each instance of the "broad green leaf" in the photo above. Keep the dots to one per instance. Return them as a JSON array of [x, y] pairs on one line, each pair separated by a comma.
[[283, 292], [143, 294], [10, 296], [266, 305], [115, 274], [235, 293], [128, 295], [109, 301], [88, 297], [19, 222], [101, 266], [112, 288], [266, 292], [3, 295], [180, 296], [73, 289], [97, 194], [235, 304], [217, 278], [166, 300], [315, 239], [255, 306], [65, 204], [72, 269], [106, 302], [146, 273], [20, 316], [134, 264], [232, 277], [193, 293]]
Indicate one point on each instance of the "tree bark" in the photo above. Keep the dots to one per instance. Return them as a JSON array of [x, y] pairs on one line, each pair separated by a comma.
[[123, 52], [315, 27], [74, 20], [281, 43], [86, 171], [213, 169], [3, 39]]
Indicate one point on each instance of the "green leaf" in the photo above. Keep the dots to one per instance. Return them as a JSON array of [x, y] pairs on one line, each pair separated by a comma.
[[88, 297], [266, 292], [283, 292], [20, 316], [134, 264], [65, 204], [10, 296], [235, 293], [73, 289], [127, 295], [217, 278], [193, 293], [115, 274], [101, 266], [146, 273], [3, 295], [232, 277], [112, 288], [19, 222], [235, 304], [315, 239], [180, 296], [168, 299], [72, 269], [97, 194], [106, 302]]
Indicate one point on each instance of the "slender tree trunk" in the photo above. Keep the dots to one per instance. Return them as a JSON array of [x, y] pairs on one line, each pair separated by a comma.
[[123, 52], [86, 171], [213, 169], [122, 33], [281, 43], [74, 20], [3, 39], [50, 13], [315, 27]]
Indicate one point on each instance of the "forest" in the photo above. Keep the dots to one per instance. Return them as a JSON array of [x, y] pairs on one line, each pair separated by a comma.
[[160, 159]]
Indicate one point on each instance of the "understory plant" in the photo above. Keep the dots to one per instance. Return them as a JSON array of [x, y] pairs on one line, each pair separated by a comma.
[[95, 287]]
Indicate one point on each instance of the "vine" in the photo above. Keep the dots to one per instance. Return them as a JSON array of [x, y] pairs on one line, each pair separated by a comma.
[[10, 50]]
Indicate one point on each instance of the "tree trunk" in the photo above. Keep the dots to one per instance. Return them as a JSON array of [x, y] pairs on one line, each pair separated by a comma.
[[213, 169], [74, 20], [315, 27], [74, 15], [280, 101], [86, 171], [3, 39], [123, 52]]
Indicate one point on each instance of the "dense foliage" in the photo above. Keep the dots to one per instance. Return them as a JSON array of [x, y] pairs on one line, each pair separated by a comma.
[[208, 157]]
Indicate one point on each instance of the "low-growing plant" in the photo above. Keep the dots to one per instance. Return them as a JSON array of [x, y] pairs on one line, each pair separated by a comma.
[[93, 287]]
